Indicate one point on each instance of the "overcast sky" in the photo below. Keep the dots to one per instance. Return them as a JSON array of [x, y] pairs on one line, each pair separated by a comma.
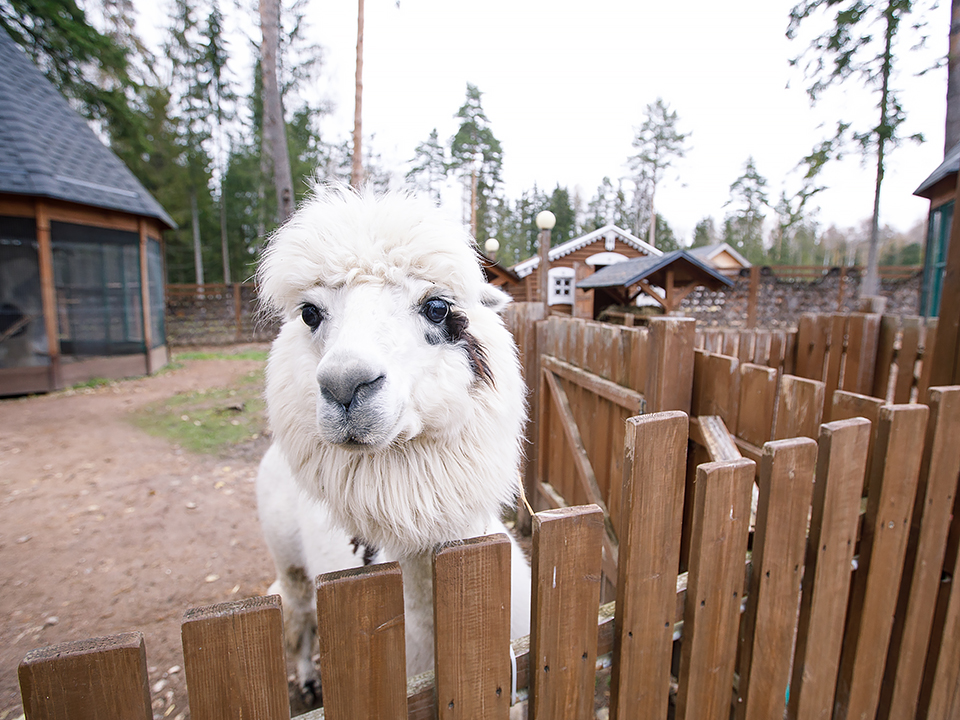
[[565, 85]]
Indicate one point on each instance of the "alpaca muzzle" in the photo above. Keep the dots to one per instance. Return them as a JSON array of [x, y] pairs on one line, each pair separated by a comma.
[[350, 407]]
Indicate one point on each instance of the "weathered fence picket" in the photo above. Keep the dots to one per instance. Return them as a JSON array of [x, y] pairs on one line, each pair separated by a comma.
[[233, 658]]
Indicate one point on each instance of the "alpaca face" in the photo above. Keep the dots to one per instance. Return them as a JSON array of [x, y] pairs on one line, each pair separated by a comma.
[[393, 386], [382, 352]]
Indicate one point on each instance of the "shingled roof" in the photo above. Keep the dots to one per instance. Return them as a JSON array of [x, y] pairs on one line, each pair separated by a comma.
[[48, 150]]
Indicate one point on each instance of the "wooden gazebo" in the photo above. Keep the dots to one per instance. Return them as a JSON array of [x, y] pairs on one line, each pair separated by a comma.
[[676, 273], [81, 260]]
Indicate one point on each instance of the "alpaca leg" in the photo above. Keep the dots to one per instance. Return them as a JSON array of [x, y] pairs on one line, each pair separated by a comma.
[[300, 628]]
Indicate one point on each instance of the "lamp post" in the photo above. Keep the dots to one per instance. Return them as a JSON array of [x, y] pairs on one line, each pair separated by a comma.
[[490, 247], [545, 221]]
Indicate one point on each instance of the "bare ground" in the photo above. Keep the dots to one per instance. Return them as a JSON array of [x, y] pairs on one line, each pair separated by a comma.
[[106, 529]]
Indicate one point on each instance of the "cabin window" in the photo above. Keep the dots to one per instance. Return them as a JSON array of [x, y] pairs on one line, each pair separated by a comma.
[[938, 237], [561, 283]]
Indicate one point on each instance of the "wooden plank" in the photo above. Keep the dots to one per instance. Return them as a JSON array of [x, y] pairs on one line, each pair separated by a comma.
[[907, 360], [926, 357], [669, 380], [925, 553], [624, 397], [566, 597], [655, 459], [809, 349], [721, 517], [234, 662], [799, 409], [86, 680], [584, 470], [471, 608], [850, 405], [716, 388], [831, 380], [941, 675], [889, 328], [946, 356], [861, 352], [362, 653], [766, 642], [841, 461], [883, 540], [758, 397], [710, 432]]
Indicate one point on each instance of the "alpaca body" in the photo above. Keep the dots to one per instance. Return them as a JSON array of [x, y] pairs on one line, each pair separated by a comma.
[[395, 397], [305, 542]]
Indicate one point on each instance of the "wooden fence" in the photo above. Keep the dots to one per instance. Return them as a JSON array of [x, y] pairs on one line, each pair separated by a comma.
[[763, 563], [718, 639]]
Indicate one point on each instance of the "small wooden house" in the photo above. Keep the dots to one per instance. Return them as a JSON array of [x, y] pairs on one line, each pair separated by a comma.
[[571, 262], [81, 260], [722, 257], [939, 188]]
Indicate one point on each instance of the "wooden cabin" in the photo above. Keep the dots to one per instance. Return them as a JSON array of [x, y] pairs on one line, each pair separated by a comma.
[[940, 189], [81, 257], [573, 261]]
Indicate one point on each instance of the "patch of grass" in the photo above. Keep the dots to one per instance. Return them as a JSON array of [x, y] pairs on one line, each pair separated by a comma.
[[260, 355], [92, 383], [211, 420]]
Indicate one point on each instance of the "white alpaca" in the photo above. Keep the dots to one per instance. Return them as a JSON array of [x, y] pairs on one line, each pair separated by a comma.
[[396, 401]]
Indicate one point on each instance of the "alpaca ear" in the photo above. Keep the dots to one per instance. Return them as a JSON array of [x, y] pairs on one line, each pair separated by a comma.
[[494, 298]]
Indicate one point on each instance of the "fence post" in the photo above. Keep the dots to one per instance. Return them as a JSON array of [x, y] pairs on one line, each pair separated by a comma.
[[883, 542], [711, 618], [669, 382], [925, 554], [238, 311], [471, 605], [233, 659], [653, 471], [766, 643], [363, 664], [565, 603], [87, 679]]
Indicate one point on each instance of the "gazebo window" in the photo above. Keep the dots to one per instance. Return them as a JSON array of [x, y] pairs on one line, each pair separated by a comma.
[[97, 281], [155, 277], [23, 339], [560, 281]]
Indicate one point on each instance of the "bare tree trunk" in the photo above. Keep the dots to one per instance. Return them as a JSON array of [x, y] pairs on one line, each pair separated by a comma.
[[871, 282], [356, 169], [952, 135], [275, 154], [223, 236], [195, 226]]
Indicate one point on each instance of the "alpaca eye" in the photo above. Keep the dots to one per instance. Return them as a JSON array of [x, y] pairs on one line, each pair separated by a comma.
[[311, 315], [436, 310]]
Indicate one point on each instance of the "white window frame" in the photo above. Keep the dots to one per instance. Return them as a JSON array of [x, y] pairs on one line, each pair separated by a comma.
[[560, 281]]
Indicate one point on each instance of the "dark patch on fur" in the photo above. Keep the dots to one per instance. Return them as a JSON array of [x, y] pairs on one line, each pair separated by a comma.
[[368, 550], [297, 575], [457, 332]]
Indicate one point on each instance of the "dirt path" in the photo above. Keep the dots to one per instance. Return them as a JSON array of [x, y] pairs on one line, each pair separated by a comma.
[[106, 529]]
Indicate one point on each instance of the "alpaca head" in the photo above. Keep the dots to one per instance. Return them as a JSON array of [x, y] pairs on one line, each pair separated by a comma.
[[393, 386]]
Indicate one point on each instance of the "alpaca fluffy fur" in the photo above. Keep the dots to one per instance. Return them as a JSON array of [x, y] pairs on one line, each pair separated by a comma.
[[428, 451]]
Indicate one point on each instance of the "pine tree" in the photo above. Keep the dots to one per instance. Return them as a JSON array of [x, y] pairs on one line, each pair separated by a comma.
[[476, 154], [743, 226], [429, 167], [704, 233], [658, 142]]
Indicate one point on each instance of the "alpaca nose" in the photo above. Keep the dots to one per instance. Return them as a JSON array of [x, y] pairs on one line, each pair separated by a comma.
[[349, 384]]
